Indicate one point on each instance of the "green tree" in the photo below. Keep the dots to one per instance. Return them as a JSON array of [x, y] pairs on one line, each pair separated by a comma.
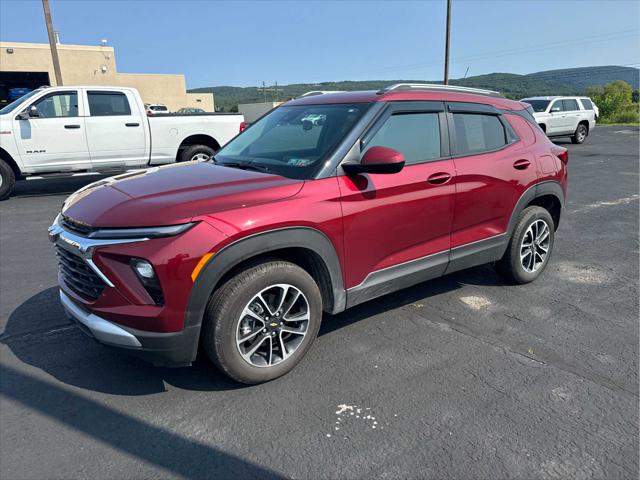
[[611, 98], [635, 96]]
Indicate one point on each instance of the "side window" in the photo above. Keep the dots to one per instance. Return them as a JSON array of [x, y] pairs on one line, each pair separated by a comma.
[[476, 133], [586, 103], [102, 104], [63, 104], [416, 135], [557, 106], [570, 105]]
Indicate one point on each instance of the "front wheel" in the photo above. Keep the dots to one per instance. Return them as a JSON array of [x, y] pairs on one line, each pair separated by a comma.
[[7, 180], [580, 135], [261, 322], [530, 246]]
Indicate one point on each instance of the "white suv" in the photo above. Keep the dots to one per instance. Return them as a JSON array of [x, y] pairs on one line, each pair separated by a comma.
[[564, 116]]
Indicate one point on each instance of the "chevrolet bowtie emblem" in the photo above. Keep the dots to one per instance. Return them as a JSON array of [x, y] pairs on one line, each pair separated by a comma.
[[273, 324]]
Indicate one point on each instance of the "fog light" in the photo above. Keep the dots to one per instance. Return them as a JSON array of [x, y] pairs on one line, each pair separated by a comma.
[[143, 268]]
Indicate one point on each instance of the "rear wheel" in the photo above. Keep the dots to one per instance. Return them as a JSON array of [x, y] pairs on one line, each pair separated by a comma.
[[196, 153], [261, 322], [7, 180], [580, 135], [530, 246]]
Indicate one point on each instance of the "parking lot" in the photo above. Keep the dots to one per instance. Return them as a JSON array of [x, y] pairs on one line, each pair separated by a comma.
[[460, 377]]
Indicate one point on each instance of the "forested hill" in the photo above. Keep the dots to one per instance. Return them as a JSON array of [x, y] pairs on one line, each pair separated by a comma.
[[551, 82]]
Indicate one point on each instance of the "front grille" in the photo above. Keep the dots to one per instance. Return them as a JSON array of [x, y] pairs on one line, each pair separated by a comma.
[[75, 226], [77, 275]]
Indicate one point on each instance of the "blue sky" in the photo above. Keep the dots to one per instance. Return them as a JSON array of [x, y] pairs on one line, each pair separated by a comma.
[[244, 43]]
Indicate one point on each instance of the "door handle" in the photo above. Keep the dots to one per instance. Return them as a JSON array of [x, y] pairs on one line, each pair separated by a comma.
[[439, 178], [71, 127], [521, 164], [131, 124]]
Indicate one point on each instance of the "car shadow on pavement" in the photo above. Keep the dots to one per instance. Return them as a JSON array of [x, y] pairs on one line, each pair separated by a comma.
[[39, 334], [149, 443], [53, 186]]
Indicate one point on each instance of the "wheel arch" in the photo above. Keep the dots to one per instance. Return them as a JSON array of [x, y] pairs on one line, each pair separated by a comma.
[[6, 156], [199, 139], [585, 123], [306, 247], [547, 195]]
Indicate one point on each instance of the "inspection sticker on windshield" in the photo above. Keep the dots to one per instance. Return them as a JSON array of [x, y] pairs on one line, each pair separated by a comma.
[[299, 162]]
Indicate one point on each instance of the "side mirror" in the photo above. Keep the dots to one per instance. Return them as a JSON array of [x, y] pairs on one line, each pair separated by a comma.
[[555, 109], [33, 112], [377, 160]]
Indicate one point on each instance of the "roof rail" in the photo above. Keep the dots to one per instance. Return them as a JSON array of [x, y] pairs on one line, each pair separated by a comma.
[[437, 87], [313, 93]]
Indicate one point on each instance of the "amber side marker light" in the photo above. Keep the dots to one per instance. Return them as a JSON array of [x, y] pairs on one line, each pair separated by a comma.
[[203, 261]]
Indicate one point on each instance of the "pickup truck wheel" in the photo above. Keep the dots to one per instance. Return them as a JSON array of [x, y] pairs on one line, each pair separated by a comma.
[[196, 153], [261, 322], [530, 246], [581, 134], [7, 180]]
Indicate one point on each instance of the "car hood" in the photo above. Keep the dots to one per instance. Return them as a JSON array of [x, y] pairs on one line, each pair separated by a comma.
[[174, 194]]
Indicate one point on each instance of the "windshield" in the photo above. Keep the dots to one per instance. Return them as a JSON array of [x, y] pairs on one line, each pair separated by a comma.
[[12, 106], [538, 105], [292, 141]]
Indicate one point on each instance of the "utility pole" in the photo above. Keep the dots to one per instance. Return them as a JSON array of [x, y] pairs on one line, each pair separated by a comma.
[[446, 45], [52, 42]]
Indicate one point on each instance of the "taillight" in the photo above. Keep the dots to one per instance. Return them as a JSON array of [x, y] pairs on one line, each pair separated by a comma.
[[564, 156], [243, 125]]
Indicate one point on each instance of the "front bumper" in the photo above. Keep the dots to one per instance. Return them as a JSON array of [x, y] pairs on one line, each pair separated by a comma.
[[162, 349]]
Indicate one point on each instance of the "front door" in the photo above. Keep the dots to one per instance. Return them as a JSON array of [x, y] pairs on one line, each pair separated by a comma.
[[397, 226], [54, 139]]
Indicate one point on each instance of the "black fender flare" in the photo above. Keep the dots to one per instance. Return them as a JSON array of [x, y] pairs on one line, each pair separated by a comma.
[[550, 187], [233, 254]]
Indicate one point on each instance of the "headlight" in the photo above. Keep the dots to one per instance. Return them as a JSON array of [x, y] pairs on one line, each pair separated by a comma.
[[142, 232]]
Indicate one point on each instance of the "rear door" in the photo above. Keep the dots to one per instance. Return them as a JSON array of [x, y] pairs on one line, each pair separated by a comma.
[[116, 129], [493, 169], [572, 114], [398, 225], [56, 139]]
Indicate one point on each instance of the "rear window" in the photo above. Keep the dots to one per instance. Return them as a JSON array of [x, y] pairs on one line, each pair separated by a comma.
[[416, 135], [537, 105], [102, 104], [158, 108], [476, 133], [586, 103], [570, 105]]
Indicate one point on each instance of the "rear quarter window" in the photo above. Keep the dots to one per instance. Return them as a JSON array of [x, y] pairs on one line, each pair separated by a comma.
[[586, 103]]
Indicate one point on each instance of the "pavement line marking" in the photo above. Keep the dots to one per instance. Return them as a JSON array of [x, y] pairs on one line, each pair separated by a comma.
[[611, 203], [476, 302]]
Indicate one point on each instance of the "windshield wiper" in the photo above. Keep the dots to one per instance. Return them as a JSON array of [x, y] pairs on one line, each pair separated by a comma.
[[245, 166]]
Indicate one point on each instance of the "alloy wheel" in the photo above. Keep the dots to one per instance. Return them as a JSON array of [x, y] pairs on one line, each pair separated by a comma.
[[535, 246], [200, 157], [272, 325]]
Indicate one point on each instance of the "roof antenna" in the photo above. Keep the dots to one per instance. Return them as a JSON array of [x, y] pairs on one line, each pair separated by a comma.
[[465, 73]]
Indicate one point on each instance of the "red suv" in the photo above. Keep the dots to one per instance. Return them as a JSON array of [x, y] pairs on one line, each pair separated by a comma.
[[324, 203]]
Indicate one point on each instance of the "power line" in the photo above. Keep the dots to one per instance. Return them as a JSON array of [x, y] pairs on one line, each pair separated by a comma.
[[502, 53]]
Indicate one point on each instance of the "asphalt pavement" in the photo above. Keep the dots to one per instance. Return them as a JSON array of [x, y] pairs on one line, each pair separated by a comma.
[[459, 377]]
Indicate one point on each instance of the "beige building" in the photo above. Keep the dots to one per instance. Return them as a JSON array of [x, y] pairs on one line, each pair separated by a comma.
[[29, 65]]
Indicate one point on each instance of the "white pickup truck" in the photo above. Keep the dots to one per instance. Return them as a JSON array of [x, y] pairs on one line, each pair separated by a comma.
[[72, 130]]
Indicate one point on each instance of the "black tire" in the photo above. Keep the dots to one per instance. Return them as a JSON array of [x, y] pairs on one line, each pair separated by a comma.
[[7, 180], [580, 135], [224, 310], [510, 265], [190, 152]]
